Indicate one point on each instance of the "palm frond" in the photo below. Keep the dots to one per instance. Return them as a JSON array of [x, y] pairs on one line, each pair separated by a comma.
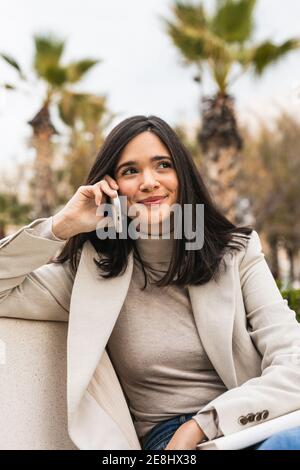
[[234, 20], [220, 72], [8, 86], [189, 14], [76, 70], [269, 53], [197, 44], [68, 106], [55, 76], [85, 107], [48, 53], [13, 63], [243, 56]]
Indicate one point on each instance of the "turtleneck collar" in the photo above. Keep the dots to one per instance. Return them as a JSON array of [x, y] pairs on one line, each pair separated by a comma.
[[155, 248]]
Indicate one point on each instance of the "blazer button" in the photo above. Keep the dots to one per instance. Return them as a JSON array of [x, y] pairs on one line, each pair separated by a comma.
[[258, 417], [243, 420], [250, 417], [265, 414]]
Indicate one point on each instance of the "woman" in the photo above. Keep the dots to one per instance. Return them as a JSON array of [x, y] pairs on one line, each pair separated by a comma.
[[204, 347]]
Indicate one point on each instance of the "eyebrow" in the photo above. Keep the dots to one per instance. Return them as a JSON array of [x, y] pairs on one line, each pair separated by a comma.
[[134, 162]]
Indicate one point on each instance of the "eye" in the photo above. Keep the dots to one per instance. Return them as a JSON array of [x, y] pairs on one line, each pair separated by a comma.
[[166, 163], [169, 165], [124, 172]]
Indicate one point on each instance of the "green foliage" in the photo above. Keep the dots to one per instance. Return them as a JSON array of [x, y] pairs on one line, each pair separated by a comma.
[[75, 108], [55, 76], [47, 62], [76, 70], [268, 53], [233, 20], [13, 63], [198, 44], [192, 15], [12, 211], [223, 39], [292, 296], [48, 52]]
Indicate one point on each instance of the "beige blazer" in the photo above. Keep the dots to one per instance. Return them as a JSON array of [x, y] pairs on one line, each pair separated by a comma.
[[248, 330]]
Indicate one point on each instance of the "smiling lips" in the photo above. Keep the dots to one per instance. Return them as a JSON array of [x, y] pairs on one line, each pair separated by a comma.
[[152, 200]]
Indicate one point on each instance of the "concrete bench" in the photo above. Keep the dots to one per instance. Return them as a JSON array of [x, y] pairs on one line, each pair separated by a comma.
[[33, 411]]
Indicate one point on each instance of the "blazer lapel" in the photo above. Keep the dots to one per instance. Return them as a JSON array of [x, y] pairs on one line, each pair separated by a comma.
[[213, 306], [94, 309]]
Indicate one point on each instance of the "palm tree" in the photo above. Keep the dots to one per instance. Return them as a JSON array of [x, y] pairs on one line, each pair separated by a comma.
[[87, 115], [222, 44], [57, 78]]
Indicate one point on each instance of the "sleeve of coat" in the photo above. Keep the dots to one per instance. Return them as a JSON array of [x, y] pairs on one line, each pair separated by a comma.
[[31, 286], [275, 332], [208, 422]]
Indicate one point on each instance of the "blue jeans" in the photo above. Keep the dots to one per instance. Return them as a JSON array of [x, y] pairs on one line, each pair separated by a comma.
[[161, 434]]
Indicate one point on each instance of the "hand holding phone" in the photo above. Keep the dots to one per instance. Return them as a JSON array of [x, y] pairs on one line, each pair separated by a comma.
[[117, 213], [79, 215]]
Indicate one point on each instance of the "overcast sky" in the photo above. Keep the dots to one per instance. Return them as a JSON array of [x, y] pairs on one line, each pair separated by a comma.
[[140, 69]]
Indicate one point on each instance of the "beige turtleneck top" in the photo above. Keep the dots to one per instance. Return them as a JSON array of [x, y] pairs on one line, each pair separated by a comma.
[[156, 350]]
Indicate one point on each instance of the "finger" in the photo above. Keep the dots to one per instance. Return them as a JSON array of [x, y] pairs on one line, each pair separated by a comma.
[[98, 194], [91, 191], [104, 186], [111, 181]]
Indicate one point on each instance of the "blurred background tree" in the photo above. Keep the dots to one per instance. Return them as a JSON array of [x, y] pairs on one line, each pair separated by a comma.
[[13, 212], [87, 116], [222, 44], [57, 77], [269, 179], [189, 139]]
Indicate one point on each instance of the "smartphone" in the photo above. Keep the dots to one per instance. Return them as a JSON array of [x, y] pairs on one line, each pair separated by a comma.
[[117, 213]]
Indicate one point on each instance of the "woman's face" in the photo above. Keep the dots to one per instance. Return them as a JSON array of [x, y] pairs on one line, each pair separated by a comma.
[[145, 169]]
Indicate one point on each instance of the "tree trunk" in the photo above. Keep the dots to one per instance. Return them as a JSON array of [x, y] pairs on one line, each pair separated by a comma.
[[44, 194], [221, 145], [221, 167], [291, 257], [274, 262]]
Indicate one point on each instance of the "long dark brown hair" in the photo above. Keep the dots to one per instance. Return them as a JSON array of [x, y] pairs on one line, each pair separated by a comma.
[[186, 266]]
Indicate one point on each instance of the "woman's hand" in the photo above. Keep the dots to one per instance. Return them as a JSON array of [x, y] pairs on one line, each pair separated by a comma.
[[186, 437], [79, 214]]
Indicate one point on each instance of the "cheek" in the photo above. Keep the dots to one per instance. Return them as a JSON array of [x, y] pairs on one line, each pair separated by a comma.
[[126, 189], [173, 184], [175, 189], [170, 181]]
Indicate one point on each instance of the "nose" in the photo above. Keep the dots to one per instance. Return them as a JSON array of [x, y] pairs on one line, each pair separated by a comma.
[[149, 182]]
